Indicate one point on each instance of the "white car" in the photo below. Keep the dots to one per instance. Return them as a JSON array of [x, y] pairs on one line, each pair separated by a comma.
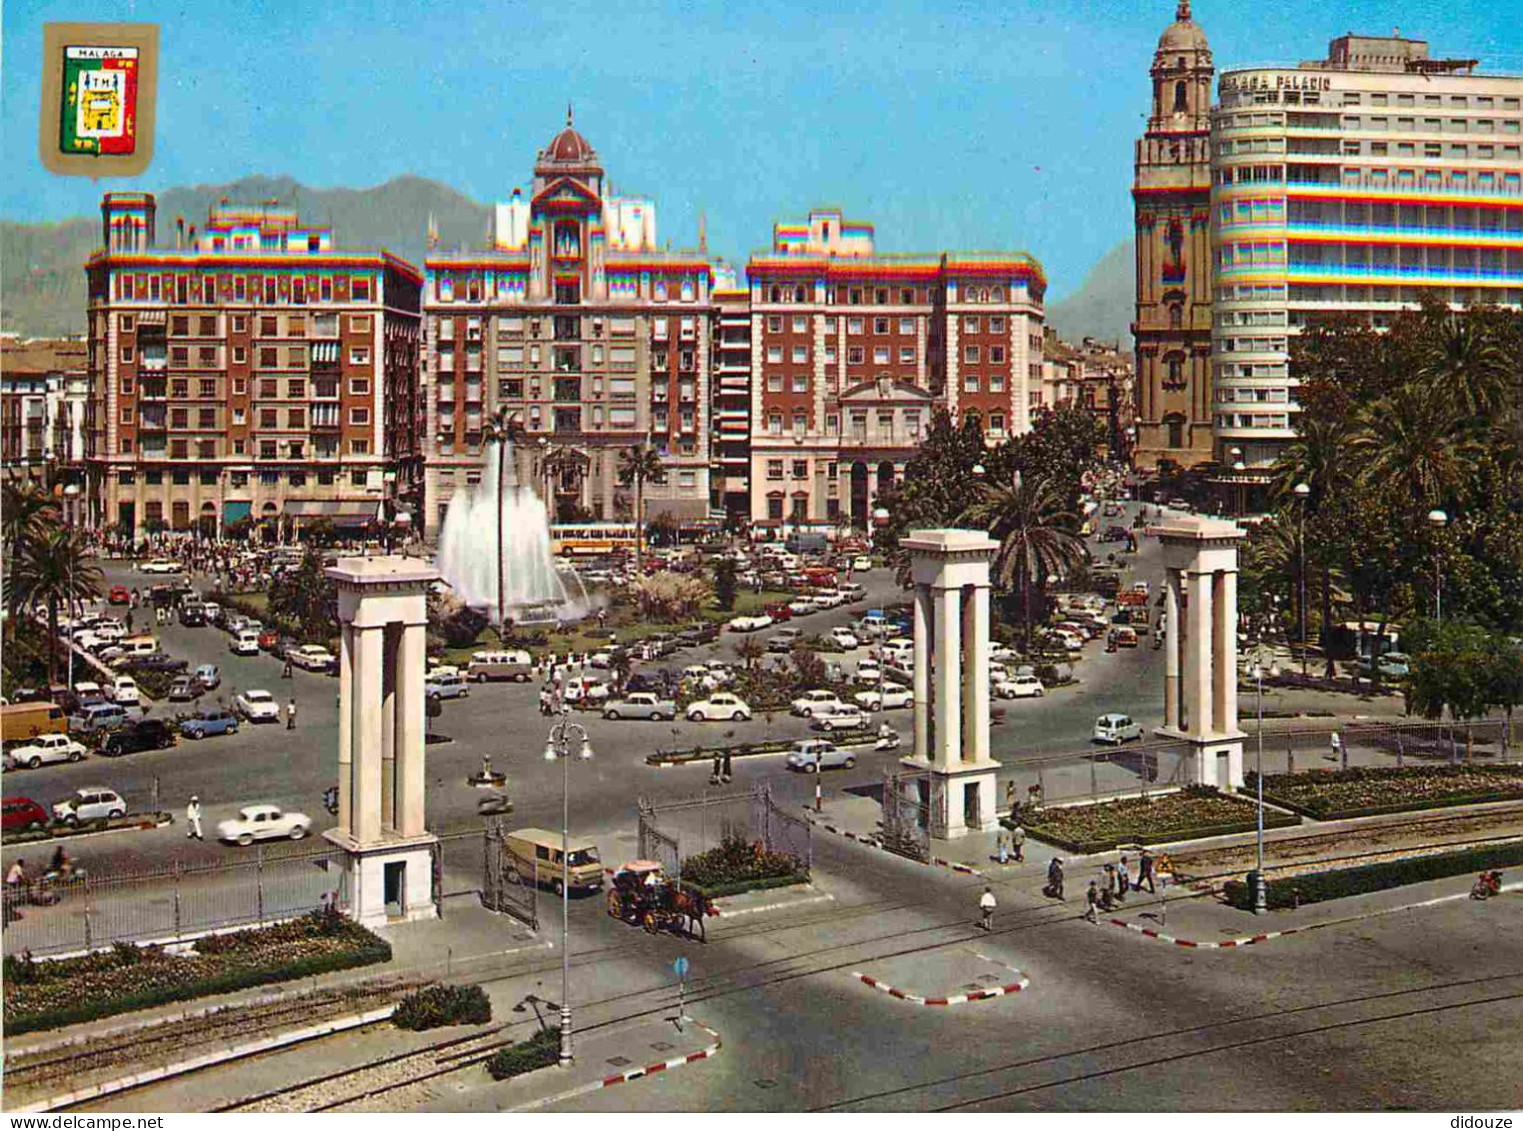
[[312, 658], [1018, 687], [1116, 729], [828, 600], [42, 749], [817, 702], [718, 707], [812, 753], [721, 672], [257, 706], [845, 638], [244, 643], [845, 717], [750, 624], [603, 659], [161, 565], [868, 671], [861, 564], [893, 698], [802, 607], [263, 822], [92, 803], [124, 690]]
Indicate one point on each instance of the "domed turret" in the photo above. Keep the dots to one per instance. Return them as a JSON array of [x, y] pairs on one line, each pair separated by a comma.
[[1184, 34], [568, 152]]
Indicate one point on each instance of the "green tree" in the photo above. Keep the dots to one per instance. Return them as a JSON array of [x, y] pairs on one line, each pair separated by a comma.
[[1450, 668], [307, 597], [1467, 366], [640, 464], [1035, 534], [725, 583], [25, 510], [50, 570]]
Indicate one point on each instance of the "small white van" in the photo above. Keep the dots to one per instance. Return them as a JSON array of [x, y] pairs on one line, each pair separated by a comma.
[[516, 665]]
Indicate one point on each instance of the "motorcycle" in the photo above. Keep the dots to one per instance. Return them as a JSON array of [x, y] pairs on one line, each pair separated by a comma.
[[887, 740], [1487, 884]]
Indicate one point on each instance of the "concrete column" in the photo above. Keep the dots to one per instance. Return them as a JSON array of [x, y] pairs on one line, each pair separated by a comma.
[[948, 747], [1174, 633], [345, 733], [1197, 689], [975, 661], [411, 657], [366, 732], [389, 641], [1225, 660], [922, 678]]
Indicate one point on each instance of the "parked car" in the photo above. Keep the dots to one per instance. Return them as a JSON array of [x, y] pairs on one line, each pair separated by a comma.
[[192, 614], [155, 662], [94, 717], [118, 595], [588, 693], [513, 664], [268, 639], [697, 634], [750, 624], [312, 658], [90, 803], [861, 563], [263, 822], [784, 639], [160, 565], [184, 689], [779, 611], [1392, 665], [868, 671], [88, 691], [1116, 729], [1126, 637], [445, 685], [844, 637], [144, 734], [1018, 687], [817, 702], [719, 706], [810, 753], [210, 721], [641, 705], [21, 814], [210, 677], [43, 749], [848, 716], [123, 689], [892, 698], [245, 642], [257, 706]]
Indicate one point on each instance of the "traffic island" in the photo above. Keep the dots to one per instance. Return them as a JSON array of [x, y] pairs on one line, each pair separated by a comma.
[[59, 831], [949, 976]]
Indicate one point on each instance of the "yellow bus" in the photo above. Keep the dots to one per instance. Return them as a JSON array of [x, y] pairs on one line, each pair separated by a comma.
[[584, 539]]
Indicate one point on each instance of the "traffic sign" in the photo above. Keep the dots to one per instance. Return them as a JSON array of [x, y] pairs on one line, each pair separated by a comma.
[[680, 966]]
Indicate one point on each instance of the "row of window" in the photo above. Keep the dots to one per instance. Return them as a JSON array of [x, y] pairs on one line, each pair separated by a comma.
[[323, 416], [269, 289], [237, 446], [1386, 98], [359, 477], [474, 288], [267, 325], [269, 387]]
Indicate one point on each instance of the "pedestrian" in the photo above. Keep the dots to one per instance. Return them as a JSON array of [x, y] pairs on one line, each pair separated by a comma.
[[16, 877], [1001, 847], [291, 714], [1055, 879], [285, 670], [727, 767], [193, 819], [1092, 903], [1108, 893], [1010, 797], [129, 622], [986, 906], [1018, 843], [715, 777], [1145, 872], [1123, 878]]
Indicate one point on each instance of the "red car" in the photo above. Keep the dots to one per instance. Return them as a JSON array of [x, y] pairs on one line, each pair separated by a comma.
[[118, 595], [778, 612], [23, 813], [268, 639]]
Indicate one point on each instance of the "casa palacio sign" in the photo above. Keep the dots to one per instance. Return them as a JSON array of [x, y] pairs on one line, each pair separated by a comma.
[[1282, 80]]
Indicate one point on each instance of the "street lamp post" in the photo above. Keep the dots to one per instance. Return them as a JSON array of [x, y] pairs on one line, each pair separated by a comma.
[[71, 492], [558, 745], [1238, 470], [1260, 891], [1302, 493], [1438, 520]]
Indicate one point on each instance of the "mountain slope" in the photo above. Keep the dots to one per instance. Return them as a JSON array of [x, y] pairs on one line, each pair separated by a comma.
[[42, 279], [1104, 305]]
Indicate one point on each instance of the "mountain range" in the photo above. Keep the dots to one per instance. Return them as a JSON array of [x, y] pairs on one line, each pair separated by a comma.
[[42, 281]]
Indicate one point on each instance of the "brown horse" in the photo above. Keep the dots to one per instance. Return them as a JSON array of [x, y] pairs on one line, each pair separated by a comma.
[[693, 906]]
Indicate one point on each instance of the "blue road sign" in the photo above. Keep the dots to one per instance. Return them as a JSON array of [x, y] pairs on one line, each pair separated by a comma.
[[680, 966]]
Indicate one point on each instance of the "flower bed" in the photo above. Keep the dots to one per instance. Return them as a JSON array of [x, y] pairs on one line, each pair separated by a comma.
[[1193, 812], [1314, 887], [539, 1051], [47, 995], [739, 865], [1367, 790]]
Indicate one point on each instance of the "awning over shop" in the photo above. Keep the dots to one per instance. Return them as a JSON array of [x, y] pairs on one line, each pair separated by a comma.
[[341, 512], [233, 510]]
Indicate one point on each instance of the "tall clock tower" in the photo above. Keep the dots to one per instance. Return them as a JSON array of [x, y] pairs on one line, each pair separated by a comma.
[[1171, 200]]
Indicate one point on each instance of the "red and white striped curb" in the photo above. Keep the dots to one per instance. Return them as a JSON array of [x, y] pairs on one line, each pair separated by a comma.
[[870, 842], [632, 1074], [1014, 987]]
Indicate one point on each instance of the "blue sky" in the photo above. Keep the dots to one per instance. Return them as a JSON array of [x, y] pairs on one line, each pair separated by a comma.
[[948, 123]]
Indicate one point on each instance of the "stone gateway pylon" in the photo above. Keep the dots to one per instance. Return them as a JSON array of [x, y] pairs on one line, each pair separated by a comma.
[[383, 617], [1200, 645], [950, 571]]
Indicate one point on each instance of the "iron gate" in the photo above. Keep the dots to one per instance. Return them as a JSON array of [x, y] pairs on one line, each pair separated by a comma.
[[907, 810], [504, 887]]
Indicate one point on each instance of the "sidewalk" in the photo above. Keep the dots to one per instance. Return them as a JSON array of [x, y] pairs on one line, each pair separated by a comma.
[[605, 1058]]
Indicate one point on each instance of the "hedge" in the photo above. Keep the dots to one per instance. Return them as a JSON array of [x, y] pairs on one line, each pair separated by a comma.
[[539, 1051], [436, 1006], [130, 978], [1315, 887], [735, 887]]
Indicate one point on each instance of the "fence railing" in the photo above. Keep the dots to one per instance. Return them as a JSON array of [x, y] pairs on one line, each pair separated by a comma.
[[671, 831]]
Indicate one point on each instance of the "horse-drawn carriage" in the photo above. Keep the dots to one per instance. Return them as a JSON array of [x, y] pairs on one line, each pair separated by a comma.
[[641, 894]]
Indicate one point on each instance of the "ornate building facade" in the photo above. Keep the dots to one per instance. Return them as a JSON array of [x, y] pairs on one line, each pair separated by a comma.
[[1171, 198]]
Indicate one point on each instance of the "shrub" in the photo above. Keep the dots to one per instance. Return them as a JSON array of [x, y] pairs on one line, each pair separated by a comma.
[[737, 861], [461, 628], [667, 597], [539, 1051], [1314, 887], [435, 1006]]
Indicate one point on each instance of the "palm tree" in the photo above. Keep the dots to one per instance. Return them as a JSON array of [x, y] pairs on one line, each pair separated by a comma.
[[23, 508], [1318, 457], [1035, 535], [50, 570], [640, 464], [1413, 437], [1467, 367]]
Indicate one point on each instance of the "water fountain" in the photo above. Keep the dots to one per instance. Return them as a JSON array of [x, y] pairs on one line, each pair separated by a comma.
[[515, 577]]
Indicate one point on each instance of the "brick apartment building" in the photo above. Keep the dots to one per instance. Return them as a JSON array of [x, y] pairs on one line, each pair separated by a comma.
[[852, 351], [251, 371], [44, 391]]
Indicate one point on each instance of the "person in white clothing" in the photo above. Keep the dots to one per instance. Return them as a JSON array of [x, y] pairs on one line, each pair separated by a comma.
[[193, 819], [986, 905]]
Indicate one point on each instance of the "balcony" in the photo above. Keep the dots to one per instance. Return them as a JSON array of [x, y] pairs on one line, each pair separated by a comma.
[[153, 359], [568, 389], [568, 328]]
